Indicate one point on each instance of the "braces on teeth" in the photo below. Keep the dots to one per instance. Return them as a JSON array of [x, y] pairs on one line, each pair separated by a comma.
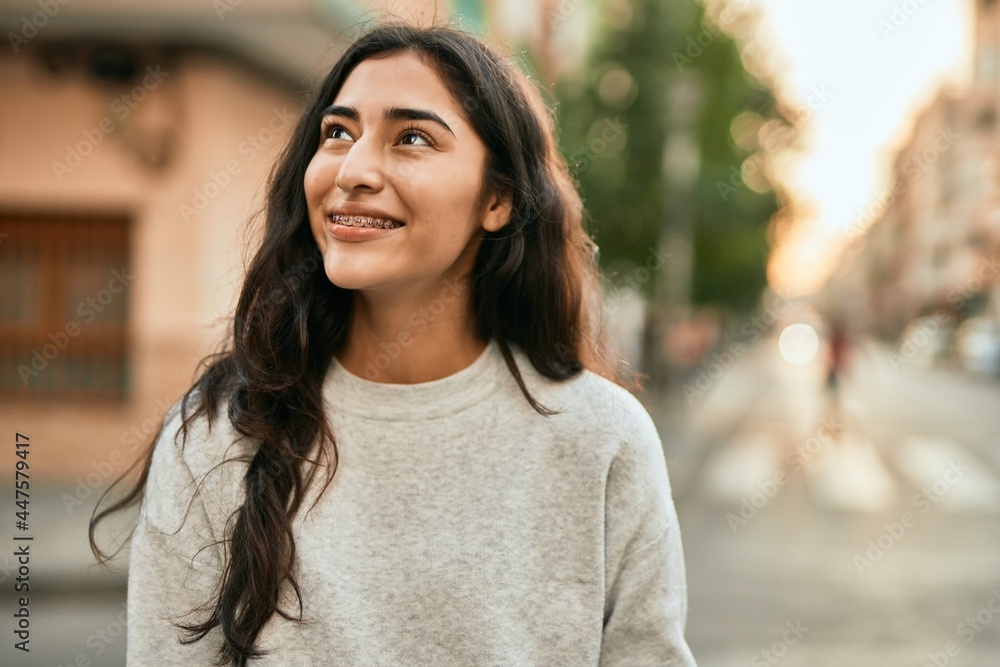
[[364, 221]]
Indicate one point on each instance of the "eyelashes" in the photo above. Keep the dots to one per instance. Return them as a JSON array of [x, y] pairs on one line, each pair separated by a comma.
[[328, 128], [415, 131]]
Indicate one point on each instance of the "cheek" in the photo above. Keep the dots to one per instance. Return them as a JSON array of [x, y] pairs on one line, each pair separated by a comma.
[[319, 176], [460, 206], [315, 191]]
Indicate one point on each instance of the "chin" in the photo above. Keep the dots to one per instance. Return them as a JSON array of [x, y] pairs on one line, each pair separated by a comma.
[[346, 278]]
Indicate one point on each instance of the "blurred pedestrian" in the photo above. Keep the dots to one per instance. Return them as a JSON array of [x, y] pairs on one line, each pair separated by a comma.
[[838, 363]]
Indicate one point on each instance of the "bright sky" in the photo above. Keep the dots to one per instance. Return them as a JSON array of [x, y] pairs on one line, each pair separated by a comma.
[[877, 78]]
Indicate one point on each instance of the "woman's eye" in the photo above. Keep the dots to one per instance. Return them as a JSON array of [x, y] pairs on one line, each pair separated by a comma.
[[337, 132], [412, 138]]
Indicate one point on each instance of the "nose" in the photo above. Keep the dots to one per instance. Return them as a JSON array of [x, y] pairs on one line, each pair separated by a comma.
[[361, 168]]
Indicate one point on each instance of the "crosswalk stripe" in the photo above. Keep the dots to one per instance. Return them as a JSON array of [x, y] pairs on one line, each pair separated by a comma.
[[735, 472], [849, 475], [949, 474]]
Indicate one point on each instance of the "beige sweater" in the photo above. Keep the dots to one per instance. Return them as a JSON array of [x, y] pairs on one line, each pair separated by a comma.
[[462, 528]]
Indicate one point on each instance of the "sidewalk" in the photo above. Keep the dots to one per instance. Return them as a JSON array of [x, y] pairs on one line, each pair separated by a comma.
[[60, 557]]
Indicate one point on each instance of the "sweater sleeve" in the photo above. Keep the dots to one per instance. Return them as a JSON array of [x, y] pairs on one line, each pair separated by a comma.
[[173, 564], [645, 607]]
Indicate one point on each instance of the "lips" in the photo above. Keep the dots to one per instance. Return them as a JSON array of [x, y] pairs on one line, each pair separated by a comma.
[[377, 222]]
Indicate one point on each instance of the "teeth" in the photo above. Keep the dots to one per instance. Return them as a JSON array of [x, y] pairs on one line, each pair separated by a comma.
[[364, 221]]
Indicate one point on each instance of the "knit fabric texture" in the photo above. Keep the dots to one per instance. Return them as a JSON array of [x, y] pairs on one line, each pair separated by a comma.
[[462, 528]]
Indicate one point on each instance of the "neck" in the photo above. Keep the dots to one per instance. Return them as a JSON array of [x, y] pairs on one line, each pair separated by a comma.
[[410, 339]]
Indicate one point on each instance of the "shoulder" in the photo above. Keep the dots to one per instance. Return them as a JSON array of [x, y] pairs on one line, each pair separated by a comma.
[[609, 427], [185, 464], [592, 405], [204, 442]]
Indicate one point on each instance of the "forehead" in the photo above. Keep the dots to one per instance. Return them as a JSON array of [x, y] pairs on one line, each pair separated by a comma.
[[398, 79]]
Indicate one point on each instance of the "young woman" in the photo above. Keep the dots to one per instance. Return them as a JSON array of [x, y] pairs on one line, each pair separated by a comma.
[[422, 325]]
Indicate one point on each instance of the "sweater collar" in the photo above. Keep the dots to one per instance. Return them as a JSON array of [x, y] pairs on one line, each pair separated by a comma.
[[349, 393]]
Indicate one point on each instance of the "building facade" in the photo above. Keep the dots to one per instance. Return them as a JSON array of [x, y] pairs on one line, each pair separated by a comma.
[[932, 246]]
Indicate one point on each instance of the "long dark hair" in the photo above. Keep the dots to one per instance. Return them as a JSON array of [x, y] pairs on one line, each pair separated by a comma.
[[535, 284]]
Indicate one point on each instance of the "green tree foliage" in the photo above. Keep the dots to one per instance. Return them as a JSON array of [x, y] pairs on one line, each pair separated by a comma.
[[615, 120]]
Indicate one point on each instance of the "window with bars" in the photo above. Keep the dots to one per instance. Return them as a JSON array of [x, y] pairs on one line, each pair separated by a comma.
[[64, 291]]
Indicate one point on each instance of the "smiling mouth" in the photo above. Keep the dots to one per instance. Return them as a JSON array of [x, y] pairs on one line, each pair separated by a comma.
[[364, 221]]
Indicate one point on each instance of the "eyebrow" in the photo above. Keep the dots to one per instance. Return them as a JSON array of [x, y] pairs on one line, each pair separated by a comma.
[[389, 114]]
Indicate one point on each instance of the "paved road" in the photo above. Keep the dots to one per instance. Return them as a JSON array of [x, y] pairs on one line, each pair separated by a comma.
[[78, 628], [868, 536], [76, 610]]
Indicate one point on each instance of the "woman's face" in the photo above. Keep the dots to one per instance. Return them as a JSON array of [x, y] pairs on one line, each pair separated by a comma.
[[395, 144]]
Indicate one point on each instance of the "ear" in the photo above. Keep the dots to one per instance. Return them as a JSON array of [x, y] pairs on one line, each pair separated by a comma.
[[496, 213]]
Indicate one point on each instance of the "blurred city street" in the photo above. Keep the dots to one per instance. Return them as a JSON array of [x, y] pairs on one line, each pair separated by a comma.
[[877, 539]]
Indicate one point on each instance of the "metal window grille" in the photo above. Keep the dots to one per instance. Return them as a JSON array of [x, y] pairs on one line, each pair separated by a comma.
[[64, 291]]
